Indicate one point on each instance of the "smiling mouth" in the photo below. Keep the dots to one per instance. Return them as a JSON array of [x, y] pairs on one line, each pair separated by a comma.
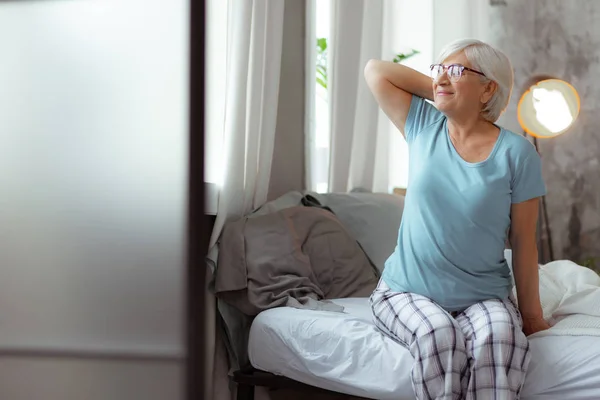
[[443, 93]]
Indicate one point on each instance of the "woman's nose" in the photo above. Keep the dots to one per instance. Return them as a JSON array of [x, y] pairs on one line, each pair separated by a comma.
[[443, 79]]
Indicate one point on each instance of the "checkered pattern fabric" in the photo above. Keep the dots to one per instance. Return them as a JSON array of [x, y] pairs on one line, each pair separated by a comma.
[[480, 353]]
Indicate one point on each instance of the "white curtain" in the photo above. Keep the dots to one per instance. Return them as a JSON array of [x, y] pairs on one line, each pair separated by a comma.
[[254, 45], [253, 69], [360, 133]]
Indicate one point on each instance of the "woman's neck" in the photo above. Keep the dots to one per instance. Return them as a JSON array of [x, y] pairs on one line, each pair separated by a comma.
[[463, 128]]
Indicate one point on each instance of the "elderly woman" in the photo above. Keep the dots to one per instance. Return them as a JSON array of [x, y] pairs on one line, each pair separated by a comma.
[[445, 292]]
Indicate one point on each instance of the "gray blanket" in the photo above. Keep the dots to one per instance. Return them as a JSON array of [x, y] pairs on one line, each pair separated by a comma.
[[296, 257]]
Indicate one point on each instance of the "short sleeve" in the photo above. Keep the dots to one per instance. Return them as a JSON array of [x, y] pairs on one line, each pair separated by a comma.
[[420, 115], [528, 182]]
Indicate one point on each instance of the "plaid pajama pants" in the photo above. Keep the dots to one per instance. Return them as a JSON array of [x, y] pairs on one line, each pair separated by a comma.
[[480, 353]]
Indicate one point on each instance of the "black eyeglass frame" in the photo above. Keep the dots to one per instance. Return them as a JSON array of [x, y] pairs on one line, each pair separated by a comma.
[[461, 68]]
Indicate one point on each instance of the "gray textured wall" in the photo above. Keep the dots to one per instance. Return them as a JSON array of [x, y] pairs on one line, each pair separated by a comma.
[[561, 38]]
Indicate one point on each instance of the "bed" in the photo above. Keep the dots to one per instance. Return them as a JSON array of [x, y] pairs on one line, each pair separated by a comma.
[[345, 353]]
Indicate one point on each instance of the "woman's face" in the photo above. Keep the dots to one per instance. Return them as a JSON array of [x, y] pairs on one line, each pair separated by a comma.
[[461, 97]]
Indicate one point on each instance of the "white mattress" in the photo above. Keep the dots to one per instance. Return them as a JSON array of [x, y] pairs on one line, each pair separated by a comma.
[[344, 352]]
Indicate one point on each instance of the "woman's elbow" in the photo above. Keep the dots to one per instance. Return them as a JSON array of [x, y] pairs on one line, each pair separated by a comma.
[[371, 69], [523, 242]]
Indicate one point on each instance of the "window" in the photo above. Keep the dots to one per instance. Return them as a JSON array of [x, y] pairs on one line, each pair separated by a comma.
[[402, 18], [317, 105], [322, 132]]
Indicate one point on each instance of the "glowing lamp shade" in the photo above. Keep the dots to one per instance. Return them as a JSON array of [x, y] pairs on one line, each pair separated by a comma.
[[548, 108]]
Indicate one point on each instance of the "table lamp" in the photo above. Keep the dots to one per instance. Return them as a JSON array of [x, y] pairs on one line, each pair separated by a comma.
[[547, 108]]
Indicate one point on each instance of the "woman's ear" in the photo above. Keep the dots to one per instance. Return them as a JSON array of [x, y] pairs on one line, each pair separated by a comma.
[[488, 92]]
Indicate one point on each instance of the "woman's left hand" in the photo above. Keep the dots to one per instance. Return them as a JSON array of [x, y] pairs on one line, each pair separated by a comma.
[[534, 325]]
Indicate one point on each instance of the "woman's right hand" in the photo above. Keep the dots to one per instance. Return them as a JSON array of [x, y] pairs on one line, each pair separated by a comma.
[[534, 325]]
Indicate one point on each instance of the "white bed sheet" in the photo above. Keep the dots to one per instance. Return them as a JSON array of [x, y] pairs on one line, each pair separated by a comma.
[[344, 352]]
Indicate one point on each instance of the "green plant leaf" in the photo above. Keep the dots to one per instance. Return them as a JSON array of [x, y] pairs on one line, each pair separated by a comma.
[[403, 56], [322, 44], [322, 82], [322, 62]]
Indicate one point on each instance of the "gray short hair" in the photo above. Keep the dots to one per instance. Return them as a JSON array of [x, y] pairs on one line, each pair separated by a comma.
[[494, 64]]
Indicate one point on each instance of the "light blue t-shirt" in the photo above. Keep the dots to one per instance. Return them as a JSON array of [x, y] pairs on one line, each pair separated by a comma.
[[457, 214]]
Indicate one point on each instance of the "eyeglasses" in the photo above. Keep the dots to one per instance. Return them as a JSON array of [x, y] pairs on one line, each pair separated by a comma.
[[455, 71]]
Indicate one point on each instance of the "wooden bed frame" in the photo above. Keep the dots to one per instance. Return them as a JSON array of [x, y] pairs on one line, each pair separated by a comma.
[[248, 379]]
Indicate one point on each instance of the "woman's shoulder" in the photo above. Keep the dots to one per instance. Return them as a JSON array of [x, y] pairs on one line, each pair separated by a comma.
[[517, 146], [422, 116]]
